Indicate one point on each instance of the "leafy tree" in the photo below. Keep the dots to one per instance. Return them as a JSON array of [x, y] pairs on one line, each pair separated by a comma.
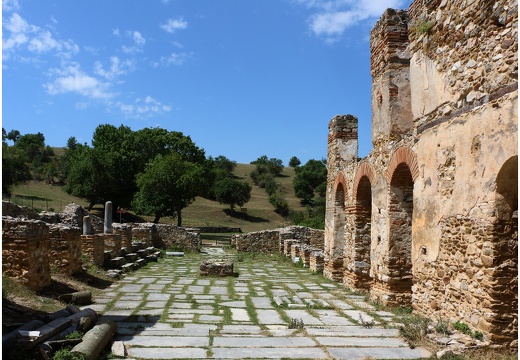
[[118, 155], [168, 185], [232, 192], [72, 143], [4, 135], [272, 166], [13, 135], [294, 162], [14, 168], [310, 180]]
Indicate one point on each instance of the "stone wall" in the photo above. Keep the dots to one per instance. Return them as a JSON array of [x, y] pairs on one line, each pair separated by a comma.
[[428, 218], [165, 236], [25, 252], [65, 248], [272, 241]]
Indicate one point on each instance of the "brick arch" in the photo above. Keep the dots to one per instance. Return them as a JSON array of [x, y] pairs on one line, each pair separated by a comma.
[[365, 169], [403, 155], [340, 179]]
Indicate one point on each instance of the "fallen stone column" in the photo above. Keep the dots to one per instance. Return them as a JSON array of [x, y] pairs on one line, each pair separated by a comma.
[[95, 340], [9, 340], [78, 298]]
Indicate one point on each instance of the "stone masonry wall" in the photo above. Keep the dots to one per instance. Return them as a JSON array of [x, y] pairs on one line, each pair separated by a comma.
[[431, 198], [65, 248], [25, 252], [272, 241]]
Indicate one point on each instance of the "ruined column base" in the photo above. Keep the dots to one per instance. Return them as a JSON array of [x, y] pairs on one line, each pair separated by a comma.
[[333, 269], [387, 295], [356, 280]]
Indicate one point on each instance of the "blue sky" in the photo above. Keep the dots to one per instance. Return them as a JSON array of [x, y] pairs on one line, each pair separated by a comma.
[[242, 78]]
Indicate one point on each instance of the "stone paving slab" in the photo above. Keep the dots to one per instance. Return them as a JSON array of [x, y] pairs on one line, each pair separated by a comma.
[[377, 353], [168, 353], [177, 314], [263, 342], [269, 353]]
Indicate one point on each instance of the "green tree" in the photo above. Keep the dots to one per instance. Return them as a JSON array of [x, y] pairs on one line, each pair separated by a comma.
[[232, 192], [118, 155], [310, 180], [294, 162], [13, 135], [167, 185], [14, 168]]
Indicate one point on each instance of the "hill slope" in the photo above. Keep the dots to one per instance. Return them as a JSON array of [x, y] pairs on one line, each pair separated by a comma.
[[260, 213]]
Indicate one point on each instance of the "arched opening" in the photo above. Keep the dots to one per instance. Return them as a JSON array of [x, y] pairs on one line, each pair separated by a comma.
[[339, 222], [504, 255], [362, 234], [400, 210]]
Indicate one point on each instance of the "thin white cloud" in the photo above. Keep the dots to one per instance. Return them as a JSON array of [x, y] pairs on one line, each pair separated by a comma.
[[332, 18], [71, 79], [143, 108], [172, 59], [19, 32], [116, 69], [10, 5], [174, 24], [116, 32], [139, 40]]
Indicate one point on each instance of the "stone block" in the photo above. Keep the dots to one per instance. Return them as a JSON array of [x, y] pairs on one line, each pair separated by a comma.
[[216, 267]]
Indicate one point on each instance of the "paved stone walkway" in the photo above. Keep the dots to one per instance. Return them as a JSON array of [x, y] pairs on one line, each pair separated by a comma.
[[167, 310]]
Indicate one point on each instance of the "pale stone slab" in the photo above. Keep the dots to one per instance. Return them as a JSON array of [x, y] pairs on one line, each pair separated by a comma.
[[341, 304], [131, 288], [178, 341], [361, 342], [268, 317], [158, 297], [307, 318], [241, 329], [356, 314], [126, 304], [232, 341], [352, 331], [218, 290], [262, 302], [239, 314], [146, 280], [210, 318], [378, 353], [269, 353], [237, 304], [167, 353], [155, 304]]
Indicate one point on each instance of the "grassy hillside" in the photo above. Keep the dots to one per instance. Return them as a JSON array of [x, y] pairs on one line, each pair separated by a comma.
[[260, 213]]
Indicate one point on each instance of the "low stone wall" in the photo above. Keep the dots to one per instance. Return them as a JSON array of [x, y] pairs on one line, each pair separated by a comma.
[[13, 210], [271, 241], [25, 252], [267, 241], [178, 237], [65, 248]]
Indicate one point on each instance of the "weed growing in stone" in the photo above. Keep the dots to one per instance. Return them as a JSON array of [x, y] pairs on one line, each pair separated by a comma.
[[369, 324], [414, 329], [296, 324]]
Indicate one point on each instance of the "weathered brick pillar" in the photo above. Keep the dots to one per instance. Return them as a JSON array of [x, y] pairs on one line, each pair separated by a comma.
[[65, 248], [390, 70], [126, 234], [25, 252], [341, 159], [93, 247]]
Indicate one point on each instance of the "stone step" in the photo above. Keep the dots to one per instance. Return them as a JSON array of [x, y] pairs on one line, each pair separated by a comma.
[[128, 267], [141, 253], [131, 257], [117, 262]]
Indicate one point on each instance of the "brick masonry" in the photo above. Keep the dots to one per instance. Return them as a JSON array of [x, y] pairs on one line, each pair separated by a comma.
[[429, 218]]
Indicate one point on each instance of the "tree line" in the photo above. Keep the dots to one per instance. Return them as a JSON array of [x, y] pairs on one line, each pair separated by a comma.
[[155, 172]]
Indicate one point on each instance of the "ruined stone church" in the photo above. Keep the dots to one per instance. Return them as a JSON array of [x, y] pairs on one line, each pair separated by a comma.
[[428, 219]]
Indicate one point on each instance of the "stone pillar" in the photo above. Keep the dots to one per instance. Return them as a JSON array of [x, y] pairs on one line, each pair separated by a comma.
[[87, 225], [390, 70], [108, 218]]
